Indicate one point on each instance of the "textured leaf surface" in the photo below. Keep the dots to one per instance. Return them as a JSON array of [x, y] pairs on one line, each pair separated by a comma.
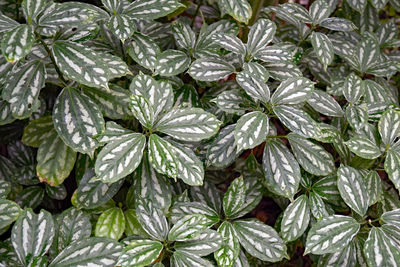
[[295, 219], [363, 147], [292, 91], [18, 42], [338, 24], [142, 110], [222, 150], [203, 244], [323, 48], [121, 25], [140, 253], [207, 69], [151, 9], [238, 9], [184, 36], [251, 130], [254, 86], [171, 63], [183, 259], [230, 43], [260, 35], [162, 156], [188, 227], [230, 249], [353, 88], [389, 126], [392, 164], [380, 250], [144, 51], [234, 197], [111, 224], [9, 212], [37, 131], [7, 23], [374, 187], [325, 104]]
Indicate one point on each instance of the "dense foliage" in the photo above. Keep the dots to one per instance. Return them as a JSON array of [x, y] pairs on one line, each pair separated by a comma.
[[147, 133]]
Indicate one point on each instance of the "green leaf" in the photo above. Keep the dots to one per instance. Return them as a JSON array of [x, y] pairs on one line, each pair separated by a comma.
[[30, 197], [257, 70], [181, 209], [357, 116], [92, 193], [171, 63], [5, 113], [324, 103], [143, 50], [6, 23], [132, 225], [296, 120], [363, 147], [374, 92], [251, 130], [86, 66], [232, 101], [183, 259], [260, 240], [297, 11], [347, 256], [140, 253], [366, 52], [152, 219], [282, 172], [234, 197], [353, 88], [274, 54], [292, 91], [374, 187], [254, 86], [210, 69], [319, 10], [389, 126], [253, 197], [380, 250], [55, 160], [222, 151], [151, 9], [338, 24], [188, 124], [32, 235], [90, 251], [327, 189], [392, 164], [22, 88], [72, 225], [323, 48], [207, 194], [282, 70], [391, 217], [230, 43], [352, 189], [229, 251], [311, 156], [37, 131], [331, 234], [56, 192], [240, 10], [5, 189], [32, 9], [111, 224], [142, 110], [18, 42], [260, 35], [358, 5], [317, 206], [184, 36], [77, 119], [295, 219], [120, 157], [188, 227], [121, 26], [162, 156], [203, 244], [9, 212]]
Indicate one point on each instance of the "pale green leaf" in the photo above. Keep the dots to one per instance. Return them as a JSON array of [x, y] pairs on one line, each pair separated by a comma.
[[111, 224]]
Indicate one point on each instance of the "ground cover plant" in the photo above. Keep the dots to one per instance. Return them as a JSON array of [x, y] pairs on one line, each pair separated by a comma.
[[199, 133]]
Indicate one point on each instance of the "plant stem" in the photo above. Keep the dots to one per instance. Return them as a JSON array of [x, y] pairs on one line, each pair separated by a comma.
[[277, 136]]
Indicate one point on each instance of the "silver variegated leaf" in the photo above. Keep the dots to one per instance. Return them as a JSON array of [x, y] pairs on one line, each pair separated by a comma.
[[292, 91], [353, 88], [18, 42], [240, 10], [188, 227], [77, 119], [32, 235], [162, 156], [144, 51], [254, 86], [367, 51], [9, 212], [230, 43], [296, 120], [171, 63], [311, 156], [347, 256], [327, 189], [184, 36], [297, 11], [207, 194], [274, 54], [358, 5], [231, 101], [6, 116], [142, 110], [389, 126], [151, 9], [338, 24], [203, 244], [111, 224], [282, 70], [120, 157], [352, 189], [5, 189], [357, 116], [229, 251], [282, 172], [91, 251], [375, 92], [363, 147], [331, 234], [121, 25], [183, 259], [295, 219], [56, 192], [32, 9], [210, 69], [260, 35], [181, 209], [373, 184], [319, 10], [251, 130], [323, 48], [140, 253], [222, 151], [234, 197], [37, 131], [381, 250], [260, 240], [257, 70], [317, 206], [132, 225], [325, 103], [7, 23], [188, 124], [392, 166], [391, 217]]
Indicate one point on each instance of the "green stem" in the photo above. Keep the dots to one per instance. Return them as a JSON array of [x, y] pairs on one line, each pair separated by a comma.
[[277, 136], [256, 5]]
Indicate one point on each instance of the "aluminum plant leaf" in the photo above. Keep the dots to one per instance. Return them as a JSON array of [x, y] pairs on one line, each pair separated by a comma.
[[143, 50], [92, 193], [151, 9], [188, 227], [32, 9], [327, 189], [292, 91], [6, 23], [120, 157], [311, 156], [32, 235], [282, 172], [162, 156], [295, 219], [331, 234], [353, 88], [152, 219], [188, 124], [232, 101], [207, 194], [297, 11], [203, 244], [121, 25], [222, 151], [389, 126], [37, 131], [260, 35], [391, 217], [210, 69], [183, 259], [357, 116], [363, 147], [56, 192], [374, 92], [274, 54], [358, 5], [373, 184], [317, 206], [73, 225], [254, 86], [392, 231], [5, 189], [77, 120], [140, 253], [229, 251], [55, 160], [142, 110], [85, 65], [231, 43], [240, 10], [111, 224], [367, 52], [251, 130], [113, 6], [379, 4], [296, 120], [87, 252], [392, 164], [181, 209], [347, 256], [5, 113], [323, 48], [325, 103], [184, 36], [353, 189], [30, 197], [386, 32], [260, 240], [132, 225], [282, 70], [22, 88], [234, 197], [319, 10], [18, 42], [9, 212], [171, 63], [338, 24], [381, 250], [257, 70]]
